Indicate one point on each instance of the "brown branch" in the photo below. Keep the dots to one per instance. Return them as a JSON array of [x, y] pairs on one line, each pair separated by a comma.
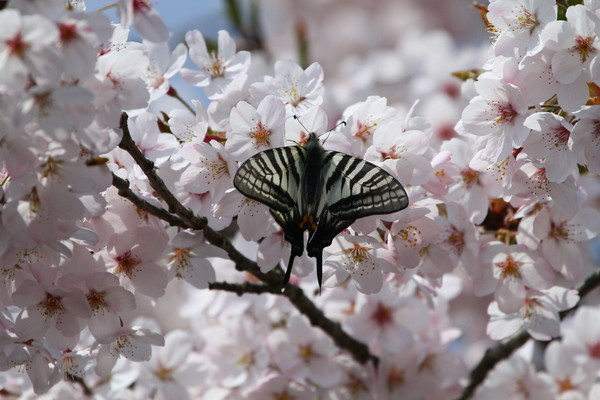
[[243, 288], [503, 350], [185, 218]]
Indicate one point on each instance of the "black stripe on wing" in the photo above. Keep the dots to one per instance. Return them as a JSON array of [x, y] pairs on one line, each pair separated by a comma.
[[272, 177], [356, 188]]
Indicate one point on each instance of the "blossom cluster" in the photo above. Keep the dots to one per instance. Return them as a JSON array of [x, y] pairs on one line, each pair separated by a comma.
[[100, 296]]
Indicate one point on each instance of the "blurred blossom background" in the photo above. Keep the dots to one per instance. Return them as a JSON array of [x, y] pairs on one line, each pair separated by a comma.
[[423, 58]]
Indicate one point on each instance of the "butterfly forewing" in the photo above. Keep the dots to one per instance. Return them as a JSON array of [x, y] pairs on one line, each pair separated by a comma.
[[356, 188], [272, 177]]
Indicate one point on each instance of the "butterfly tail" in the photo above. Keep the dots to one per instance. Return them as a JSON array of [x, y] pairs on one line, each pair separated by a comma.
[[288, 272], [319, 257]]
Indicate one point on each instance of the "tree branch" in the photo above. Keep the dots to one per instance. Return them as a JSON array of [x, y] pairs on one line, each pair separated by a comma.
[[243, 288], [186, 219], [503, 350]]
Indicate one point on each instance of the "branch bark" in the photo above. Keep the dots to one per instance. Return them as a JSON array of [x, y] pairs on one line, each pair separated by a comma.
[[178, 215]]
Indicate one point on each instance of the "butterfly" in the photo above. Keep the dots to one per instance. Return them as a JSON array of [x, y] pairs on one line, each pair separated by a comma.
[[324, 192]]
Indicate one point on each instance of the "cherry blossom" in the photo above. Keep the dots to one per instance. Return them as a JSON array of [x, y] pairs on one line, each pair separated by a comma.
[[26, 47], [189, 127], [517, 379], [298, 89], [560, 245], [538, 314], [518, 24], [571, 378], [146, 21], [382, 321], [174, 368], [134, 256], [255, 129], [217, 69], [162, 67], [357, 257], [497, 113], [189, 259], [575, 41], [548, 143], [211, 169], [585, 137], [132, 343], [514, 269], [304, 353], [495, 142], [584, 336]]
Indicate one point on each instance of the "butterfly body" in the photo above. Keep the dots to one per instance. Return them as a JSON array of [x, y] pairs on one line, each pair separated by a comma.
[[308, 188]]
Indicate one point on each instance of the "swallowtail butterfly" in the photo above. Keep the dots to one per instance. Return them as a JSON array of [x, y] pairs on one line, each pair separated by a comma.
[[324, 192]]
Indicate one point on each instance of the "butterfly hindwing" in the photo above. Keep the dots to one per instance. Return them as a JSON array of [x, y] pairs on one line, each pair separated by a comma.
[[355, 188], [272, 177]]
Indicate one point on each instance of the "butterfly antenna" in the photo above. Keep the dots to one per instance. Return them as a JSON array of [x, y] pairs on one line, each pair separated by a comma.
[[297, 118], [333, 129]]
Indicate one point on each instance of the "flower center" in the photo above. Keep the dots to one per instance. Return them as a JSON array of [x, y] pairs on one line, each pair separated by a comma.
[[584, 46], [261, 136], [97, 300], [364, 131], [509, 267], [382, 315], [126, 263], [470, 177], [16, 46]]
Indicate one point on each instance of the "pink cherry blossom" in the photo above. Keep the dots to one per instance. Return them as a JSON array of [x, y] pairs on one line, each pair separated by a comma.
[[472, 188], [514, 269], [132, 343], [217, 69], [255, 129], [583, 337], [188, 259], [585, 137], [518, 24], [538, 314], [238, 354], [571, 377], [515, 378], [382, 321], [146, 21], [26, 47], [497, 113], [298, 89], [135, 256], [174, 368], [548, 143], [304, 353], [211, 169], [361, 258], [560, 244], [575, 42], [363, 119], [189, 127], [163, 66], [49, 306]]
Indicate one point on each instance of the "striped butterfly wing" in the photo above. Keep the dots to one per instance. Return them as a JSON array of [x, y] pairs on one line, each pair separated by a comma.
[[355, 188], [272, 177], [352, 189]]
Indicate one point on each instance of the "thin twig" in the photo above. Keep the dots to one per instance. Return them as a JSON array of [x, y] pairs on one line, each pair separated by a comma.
[[503, 350], [273, 279]]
